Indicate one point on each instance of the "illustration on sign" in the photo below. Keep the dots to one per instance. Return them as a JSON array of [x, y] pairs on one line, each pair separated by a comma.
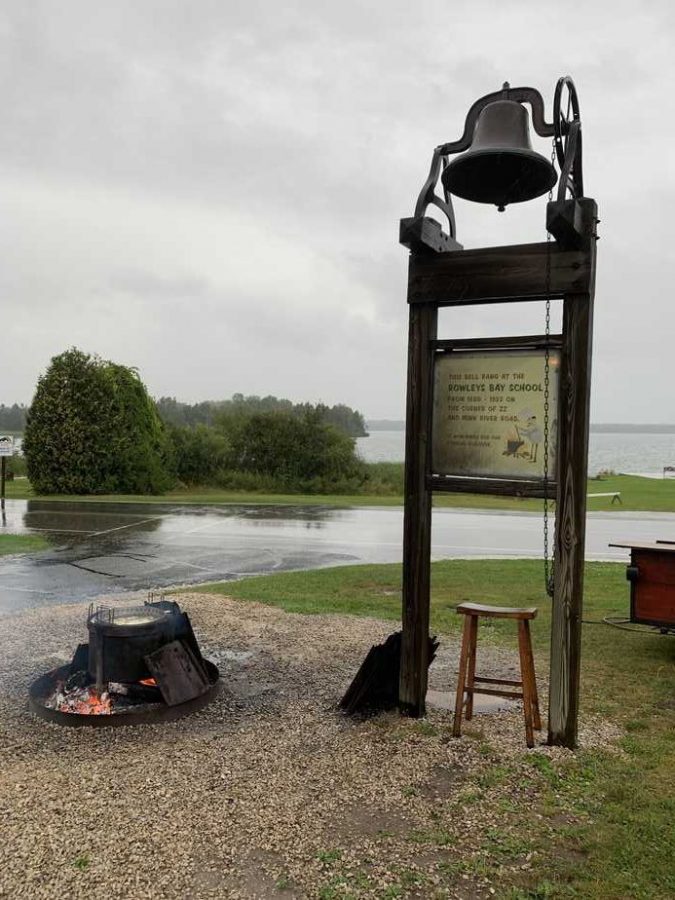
[[6, 445], [488, 416]]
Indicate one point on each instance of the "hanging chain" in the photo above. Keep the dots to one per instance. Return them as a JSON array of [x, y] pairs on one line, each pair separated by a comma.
[[549, 562]]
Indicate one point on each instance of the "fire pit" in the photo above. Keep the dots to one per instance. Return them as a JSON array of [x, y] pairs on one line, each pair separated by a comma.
[[142, 664]]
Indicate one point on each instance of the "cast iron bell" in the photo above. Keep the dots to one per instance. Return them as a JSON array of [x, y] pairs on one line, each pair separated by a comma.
[[500, 167]]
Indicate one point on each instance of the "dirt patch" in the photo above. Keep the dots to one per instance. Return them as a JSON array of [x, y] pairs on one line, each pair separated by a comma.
[[257, 874], [369, 821], [442, 782]]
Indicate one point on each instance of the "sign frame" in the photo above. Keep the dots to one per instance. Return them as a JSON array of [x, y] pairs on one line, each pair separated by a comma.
[[513, 485]]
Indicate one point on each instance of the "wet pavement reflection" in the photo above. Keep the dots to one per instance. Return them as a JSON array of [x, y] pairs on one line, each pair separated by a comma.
[[107, 548]]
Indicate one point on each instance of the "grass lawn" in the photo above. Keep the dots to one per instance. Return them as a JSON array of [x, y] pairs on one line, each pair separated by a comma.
[[21, 543], [637, 493], [599, 822]]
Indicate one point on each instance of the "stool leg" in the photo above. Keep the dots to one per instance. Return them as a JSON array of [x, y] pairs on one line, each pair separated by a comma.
[[533, 678], [473, 640], [461, 678], [525, 677]]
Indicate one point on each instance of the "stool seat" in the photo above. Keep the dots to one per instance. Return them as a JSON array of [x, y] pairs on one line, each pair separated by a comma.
[[497, 612], [469, 683]]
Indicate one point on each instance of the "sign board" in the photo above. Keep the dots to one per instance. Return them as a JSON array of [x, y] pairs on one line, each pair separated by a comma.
[[488, 413], [6, 445]]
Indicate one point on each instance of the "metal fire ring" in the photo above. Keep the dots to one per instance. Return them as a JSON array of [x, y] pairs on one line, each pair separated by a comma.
[[150, 714]]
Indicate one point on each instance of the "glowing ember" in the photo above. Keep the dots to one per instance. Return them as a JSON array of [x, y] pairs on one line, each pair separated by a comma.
[[84, 701]]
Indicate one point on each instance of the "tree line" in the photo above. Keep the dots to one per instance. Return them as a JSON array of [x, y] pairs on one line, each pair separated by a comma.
[[173, 412], [13, 418], [92, 428]]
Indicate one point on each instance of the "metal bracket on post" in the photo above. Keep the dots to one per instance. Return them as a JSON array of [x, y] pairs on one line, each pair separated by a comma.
[[420, 232]]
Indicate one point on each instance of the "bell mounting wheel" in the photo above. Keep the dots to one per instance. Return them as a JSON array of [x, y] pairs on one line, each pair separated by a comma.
[[567, 138]]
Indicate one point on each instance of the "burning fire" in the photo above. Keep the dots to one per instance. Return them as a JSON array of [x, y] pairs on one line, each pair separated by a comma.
[[92, 704], [85, 701]]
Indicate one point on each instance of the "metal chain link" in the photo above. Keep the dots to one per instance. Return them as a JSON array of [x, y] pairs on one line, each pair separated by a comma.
[[549, 562]]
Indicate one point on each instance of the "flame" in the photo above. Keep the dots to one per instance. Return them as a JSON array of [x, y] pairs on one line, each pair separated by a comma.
[[87, 702]]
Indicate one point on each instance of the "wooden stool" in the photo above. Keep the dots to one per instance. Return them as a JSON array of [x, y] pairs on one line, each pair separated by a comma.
[[466, 684]]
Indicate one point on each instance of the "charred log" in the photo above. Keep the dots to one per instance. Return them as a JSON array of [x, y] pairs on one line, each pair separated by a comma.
[[375, 686]]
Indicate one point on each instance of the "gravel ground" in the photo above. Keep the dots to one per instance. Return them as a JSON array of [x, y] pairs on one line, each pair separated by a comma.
[[268, 791]]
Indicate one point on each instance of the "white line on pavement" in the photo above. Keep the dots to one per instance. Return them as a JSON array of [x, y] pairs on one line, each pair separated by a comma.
[[122, 527]]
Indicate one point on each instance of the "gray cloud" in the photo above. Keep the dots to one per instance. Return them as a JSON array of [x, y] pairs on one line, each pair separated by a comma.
[[211, 192]]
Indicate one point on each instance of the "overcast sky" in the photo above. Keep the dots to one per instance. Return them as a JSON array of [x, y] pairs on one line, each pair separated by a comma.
[[210, 191]]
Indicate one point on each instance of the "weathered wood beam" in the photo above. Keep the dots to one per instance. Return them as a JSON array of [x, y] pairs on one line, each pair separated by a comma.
[[455, 484], [496, 274], [568, 222], [424, 233], [512, 342], [423, 321], [570, 522]]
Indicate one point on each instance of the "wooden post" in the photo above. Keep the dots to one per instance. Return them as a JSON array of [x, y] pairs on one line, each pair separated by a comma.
[[423, 320], [3, 472], [570, 520]]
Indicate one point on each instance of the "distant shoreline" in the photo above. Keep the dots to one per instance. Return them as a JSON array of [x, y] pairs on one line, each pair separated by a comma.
[[613, 428], [604, 428]]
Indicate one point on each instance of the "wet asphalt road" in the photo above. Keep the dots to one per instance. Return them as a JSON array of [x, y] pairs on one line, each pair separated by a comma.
[[103, 548]]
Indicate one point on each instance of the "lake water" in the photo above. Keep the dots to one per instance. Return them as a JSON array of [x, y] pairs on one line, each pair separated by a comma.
[[633, 453]]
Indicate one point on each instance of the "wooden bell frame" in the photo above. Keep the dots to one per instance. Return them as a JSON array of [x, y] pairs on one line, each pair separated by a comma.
[[442, 274]]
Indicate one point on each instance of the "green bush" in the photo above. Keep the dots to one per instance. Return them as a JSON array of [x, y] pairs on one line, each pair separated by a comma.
[[236, 480], [200, 454], [93, 429], [16, 466], [300, 454], [384, 478], [144, 461]]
